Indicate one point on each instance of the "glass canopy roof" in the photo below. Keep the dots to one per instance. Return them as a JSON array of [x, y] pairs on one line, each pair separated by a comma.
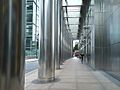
[[72, 15]]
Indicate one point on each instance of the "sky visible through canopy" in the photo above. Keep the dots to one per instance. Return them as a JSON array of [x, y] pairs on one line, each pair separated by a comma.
[[72, 15]]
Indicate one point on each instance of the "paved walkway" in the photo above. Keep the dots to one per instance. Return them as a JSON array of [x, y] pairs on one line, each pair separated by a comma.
[[31, 60], [72, 76]]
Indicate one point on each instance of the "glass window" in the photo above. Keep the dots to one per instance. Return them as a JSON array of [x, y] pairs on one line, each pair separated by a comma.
[[66, 22], [29, 33], [92, 2], [73, 27], [73, 20], [73, 9], [32, 21], [64, 3], [29, 23], [74, 14], [28, 41], [29, 6], [34, 13], [74, 2], [29, 1], [29, 26], [29, 17], [65, 15]]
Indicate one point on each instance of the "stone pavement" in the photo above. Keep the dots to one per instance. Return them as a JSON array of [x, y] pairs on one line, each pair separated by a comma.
[[31, 60], [72, 76]]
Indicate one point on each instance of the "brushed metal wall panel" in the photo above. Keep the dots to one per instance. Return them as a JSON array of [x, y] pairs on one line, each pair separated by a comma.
[[47, 63], [107, 36], [12, 31]]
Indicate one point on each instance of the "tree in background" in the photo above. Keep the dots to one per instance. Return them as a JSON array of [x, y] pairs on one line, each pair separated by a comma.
[[76, 47]]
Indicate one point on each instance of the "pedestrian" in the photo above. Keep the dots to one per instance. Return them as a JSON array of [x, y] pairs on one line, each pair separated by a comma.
[[82, 55]]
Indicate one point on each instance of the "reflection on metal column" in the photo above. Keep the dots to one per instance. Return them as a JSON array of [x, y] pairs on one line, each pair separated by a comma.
[[55, 26], [46, 59], [61, 38], [12, 14], [59, 5], [66, 40]]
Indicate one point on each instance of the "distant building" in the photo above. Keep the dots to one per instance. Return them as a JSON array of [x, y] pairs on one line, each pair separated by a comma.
[[32, 26]]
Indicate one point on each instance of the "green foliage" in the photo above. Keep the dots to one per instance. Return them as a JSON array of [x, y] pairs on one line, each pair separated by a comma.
[[31, 53], [76, 47]]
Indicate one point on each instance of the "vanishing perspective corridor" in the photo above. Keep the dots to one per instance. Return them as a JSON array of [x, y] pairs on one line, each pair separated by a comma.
[[59, 44], [74, 76]]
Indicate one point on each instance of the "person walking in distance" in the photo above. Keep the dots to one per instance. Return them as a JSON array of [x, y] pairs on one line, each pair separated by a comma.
[[82, 55]]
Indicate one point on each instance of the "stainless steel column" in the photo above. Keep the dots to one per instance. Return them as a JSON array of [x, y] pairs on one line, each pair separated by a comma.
[[55, 16], [12, 30], [59, 5], [61, 37], [46, 58]]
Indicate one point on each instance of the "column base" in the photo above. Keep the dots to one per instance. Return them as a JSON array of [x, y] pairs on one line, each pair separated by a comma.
[[45, 80], [58, 68]]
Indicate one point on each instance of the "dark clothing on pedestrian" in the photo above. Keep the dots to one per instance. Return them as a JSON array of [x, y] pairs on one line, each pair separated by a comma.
[[82, 55]]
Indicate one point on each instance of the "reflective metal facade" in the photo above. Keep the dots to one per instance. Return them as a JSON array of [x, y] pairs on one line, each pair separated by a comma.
[[66, 40], [105, 37], [12, 30], [46, 70], [58, 32]]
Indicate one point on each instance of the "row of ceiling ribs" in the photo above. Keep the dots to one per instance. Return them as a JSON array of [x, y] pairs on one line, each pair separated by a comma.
[[81, 18], [71, 11], [83, 12]]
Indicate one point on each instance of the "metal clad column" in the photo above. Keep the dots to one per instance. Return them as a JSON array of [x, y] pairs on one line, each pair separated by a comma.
[[59, 5], [55, 16], [12, 30], [46, 59], [62, 38], [41, 45]]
